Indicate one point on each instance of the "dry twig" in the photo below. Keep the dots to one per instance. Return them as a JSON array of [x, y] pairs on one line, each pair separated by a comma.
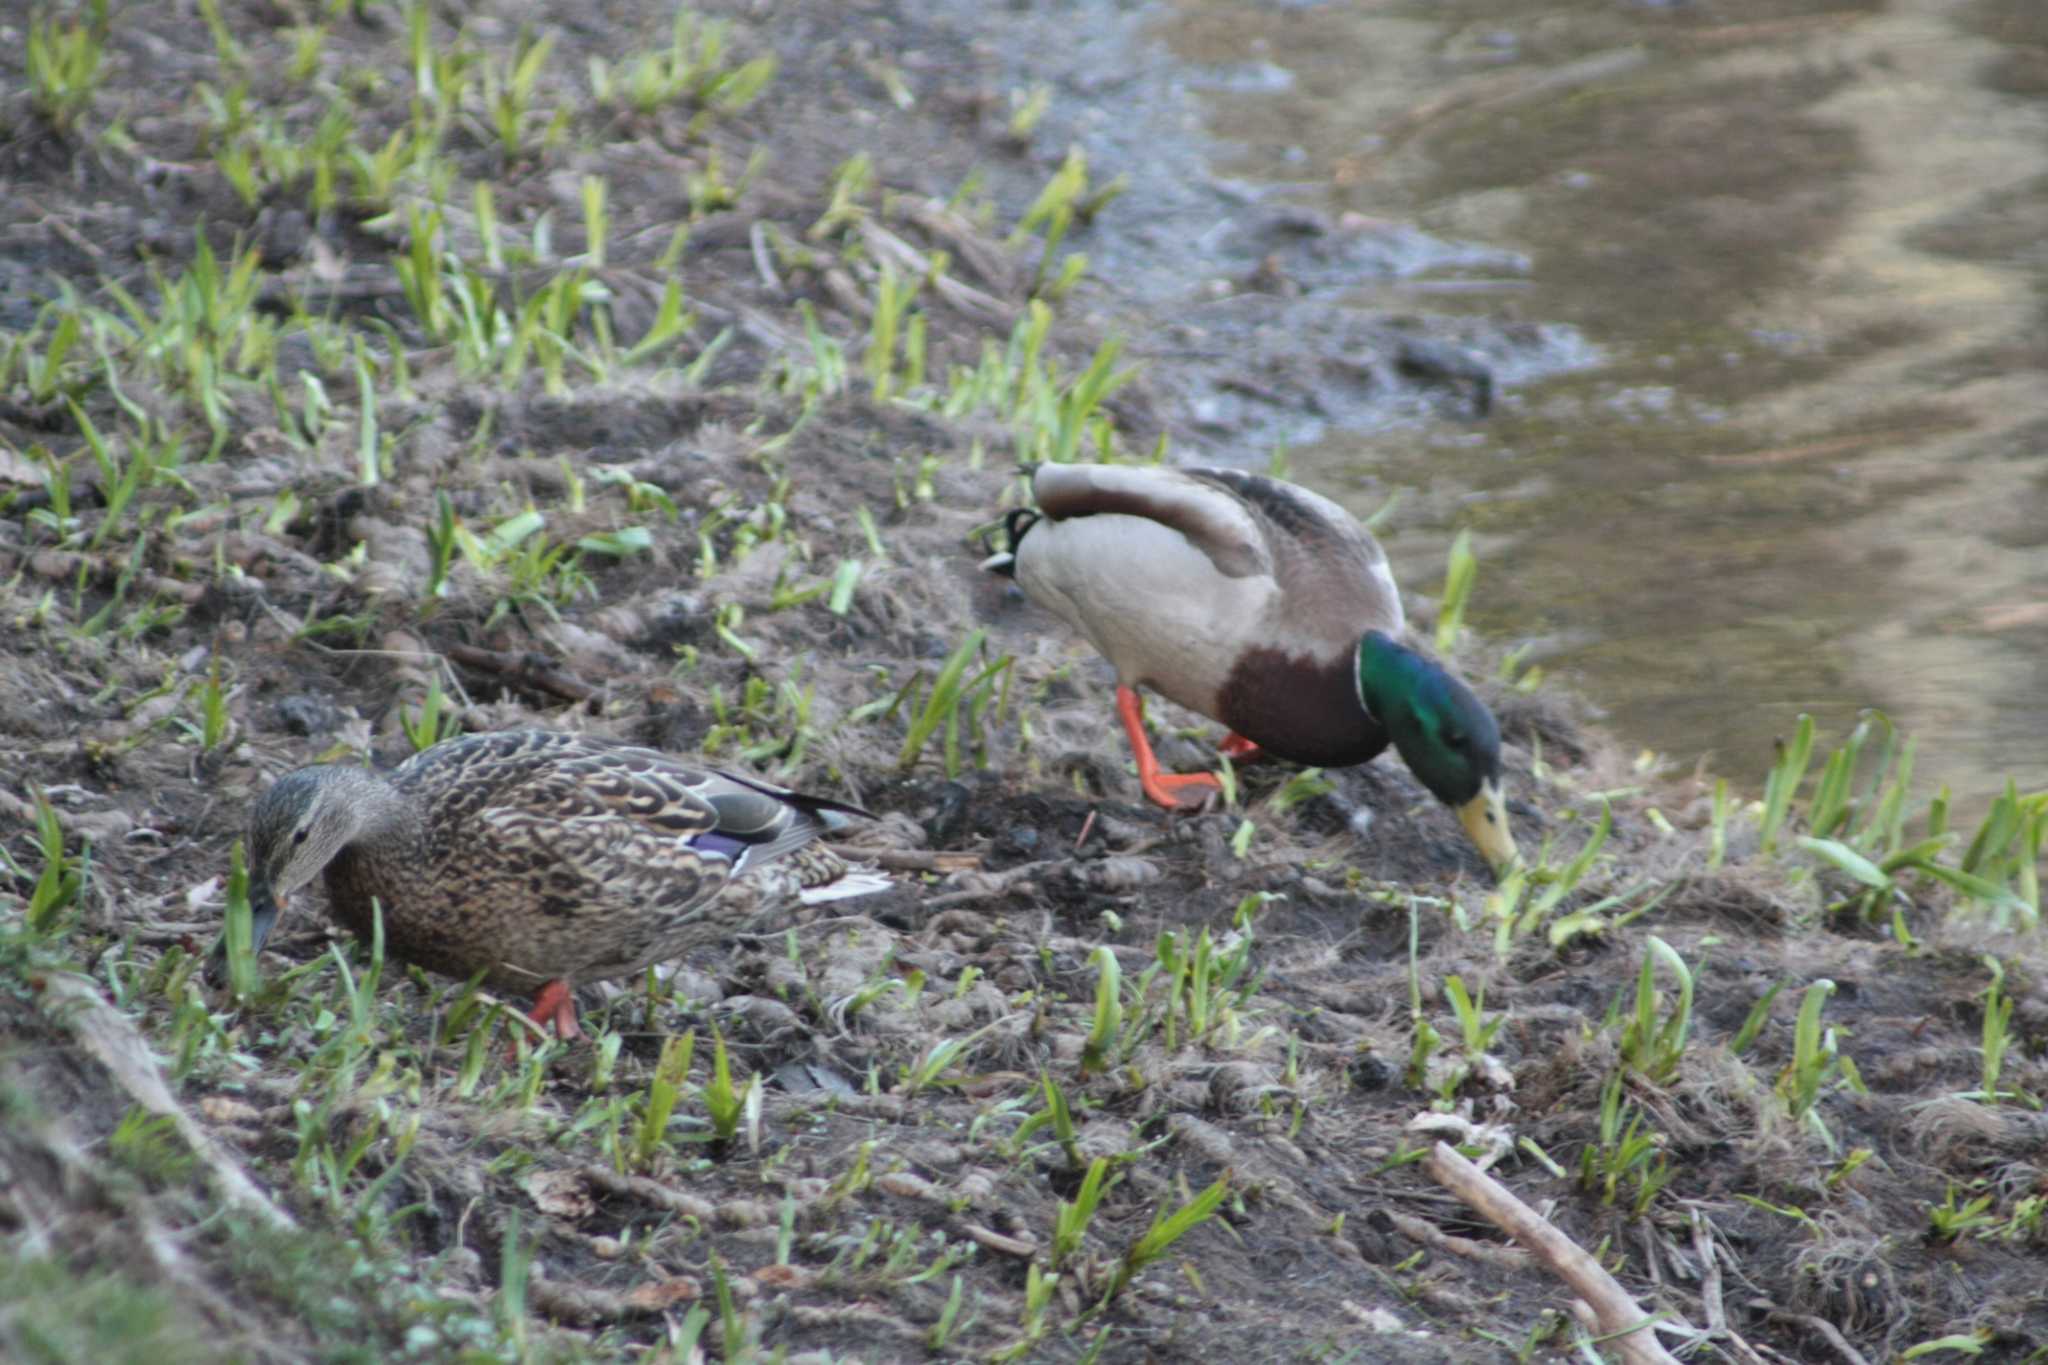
[[1426, 1233], [608, 1181], [532, 670], [909, 859], [1823, 1329], [1710, 1290], [1618, 1318]]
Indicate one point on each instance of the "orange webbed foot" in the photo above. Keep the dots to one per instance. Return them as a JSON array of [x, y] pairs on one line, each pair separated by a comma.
[[1237, 748], [1175, 791], [1180, 791]]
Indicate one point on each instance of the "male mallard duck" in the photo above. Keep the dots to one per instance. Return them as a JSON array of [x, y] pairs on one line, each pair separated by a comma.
[[542, 859], [1263, 606]]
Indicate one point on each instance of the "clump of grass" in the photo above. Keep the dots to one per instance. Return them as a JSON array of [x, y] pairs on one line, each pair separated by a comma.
[[1458, 581], [1856, 818], [1039, 1288], [63, 62], [1628, 1163], [1651, 1044], [1996, 1041], [1057, 1115], [1513, 920], [57, 884], [664, 1089], [1476, 1034], [956, 703], [1107, 1026], [39, 364], [692, 69], [1166, 1229], [1818, 1066], [1948, 1220], [724, 1102], [1783, 781], [508, 88], [893, 297], [1207, 984], [1070, 1221], [50, 1311], [1068, 197], [435, 721], [931, 1068], [236, 936], [1027, 110]]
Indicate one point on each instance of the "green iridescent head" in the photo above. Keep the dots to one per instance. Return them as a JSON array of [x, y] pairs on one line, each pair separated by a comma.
[[1444, 733]]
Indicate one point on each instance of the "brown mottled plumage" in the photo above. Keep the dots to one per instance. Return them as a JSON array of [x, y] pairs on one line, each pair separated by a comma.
[[542, 859], [1263, 605]]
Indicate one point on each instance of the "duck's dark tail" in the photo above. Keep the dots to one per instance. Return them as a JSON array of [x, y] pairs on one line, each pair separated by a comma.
[[1014, 524]]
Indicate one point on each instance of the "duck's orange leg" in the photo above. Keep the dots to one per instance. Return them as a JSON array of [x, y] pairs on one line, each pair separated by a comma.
[[1237, 748], [1175, 791], [553, 1004], [556, 1000]]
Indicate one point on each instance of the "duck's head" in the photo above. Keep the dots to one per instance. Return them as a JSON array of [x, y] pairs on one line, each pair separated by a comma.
[[295, 829], [1444, 733]]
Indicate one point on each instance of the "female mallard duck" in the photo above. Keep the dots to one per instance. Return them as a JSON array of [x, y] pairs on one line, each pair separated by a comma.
[[1263, 606], [539, 858]]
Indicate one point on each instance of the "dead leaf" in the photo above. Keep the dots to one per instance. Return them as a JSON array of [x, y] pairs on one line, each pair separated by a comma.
[[221, 1109], [561, 1193], [907, 1185], [781, 1277], [19, 469], [656, 1295]]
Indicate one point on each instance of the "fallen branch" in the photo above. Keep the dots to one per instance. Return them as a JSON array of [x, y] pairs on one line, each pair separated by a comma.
[[573, 1301], [996, 267], [47, 1209], [1019, 1247], [1710, 1290], [968, 897], [105, 571], [909, 859], [1823, 1329], [1426, 1233], [608, 1181], [885, 245], [108, 1036], [532, 670], [978, 885], [101, 826], [1618, 1319]]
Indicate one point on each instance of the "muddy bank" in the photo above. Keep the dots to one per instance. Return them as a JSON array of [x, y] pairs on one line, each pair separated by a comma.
[[376, 451]]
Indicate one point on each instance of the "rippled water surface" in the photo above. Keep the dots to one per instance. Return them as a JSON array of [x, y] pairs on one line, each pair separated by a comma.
[[1801, 466]]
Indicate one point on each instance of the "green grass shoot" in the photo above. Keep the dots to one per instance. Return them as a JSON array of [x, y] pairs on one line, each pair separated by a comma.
[[1458, 580]]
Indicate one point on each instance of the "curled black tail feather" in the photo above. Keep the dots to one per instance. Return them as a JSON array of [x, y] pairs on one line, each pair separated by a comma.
[[1015, 523]]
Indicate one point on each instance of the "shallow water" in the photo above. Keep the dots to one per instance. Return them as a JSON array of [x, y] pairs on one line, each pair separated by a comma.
[[1785, 452]]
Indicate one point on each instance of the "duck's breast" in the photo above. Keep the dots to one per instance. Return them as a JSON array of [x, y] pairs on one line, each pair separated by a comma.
[[1299, 707]]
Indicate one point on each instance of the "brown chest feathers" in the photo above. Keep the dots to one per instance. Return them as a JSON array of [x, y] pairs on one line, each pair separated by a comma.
[[1299, 709]]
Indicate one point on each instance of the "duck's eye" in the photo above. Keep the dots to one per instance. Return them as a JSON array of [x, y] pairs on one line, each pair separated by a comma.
[[299, 836]]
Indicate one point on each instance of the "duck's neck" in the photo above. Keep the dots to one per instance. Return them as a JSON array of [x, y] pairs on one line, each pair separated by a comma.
[[385, 856], [382, 812], [1388, 674]]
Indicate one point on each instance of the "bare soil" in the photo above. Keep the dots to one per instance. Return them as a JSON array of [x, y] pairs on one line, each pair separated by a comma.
[[313, 1174]]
